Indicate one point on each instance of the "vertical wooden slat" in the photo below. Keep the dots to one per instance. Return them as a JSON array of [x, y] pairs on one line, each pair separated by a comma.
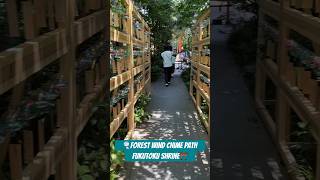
[[12, 18], [40, 7], [317, 6], [41, 137], [4, 148], [60, 12], [28, 18], [51, 19], [89, 80], [28, 152], [15, 158], [17, 95], [317, 176]]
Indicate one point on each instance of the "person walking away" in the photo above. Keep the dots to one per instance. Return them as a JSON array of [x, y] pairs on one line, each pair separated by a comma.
[[167, 63]]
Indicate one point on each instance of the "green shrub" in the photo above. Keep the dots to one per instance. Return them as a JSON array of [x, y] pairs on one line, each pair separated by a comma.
[[185, 75], [156, 67], [140, 113], [243, 42]]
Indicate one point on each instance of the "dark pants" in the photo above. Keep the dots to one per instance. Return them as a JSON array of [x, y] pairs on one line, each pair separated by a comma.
[[172, 69], [167, 74]]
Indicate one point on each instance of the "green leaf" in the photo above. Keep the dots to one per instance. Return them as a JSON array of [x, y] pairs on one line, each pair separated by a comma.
[[87, 177], [82, 170]]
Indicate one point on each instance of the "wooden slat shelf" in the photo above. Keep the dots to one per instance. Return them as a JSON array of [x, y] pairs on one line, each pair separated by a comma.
[[203, 120], [202, 41], [205, 69], [271, 8], [294, 96], [138, 69], [305, 24], [115, 124], [88, 26], [84, 112], [20, 62], [137, 42], [119, 80], [118, 36], [202, 92], [44, 163]]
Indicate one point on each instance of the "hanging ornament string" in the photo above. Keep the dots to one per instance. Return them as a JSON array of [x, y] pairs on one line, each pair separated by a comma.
[[91, 55], [123, 93], [300, 55], [205, 79], [138, 79], [36, 103]]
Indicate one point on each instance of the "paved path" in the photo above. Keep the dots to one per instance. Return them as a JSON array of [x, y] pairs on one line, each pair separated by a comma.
[[242, 148], [173, 117]]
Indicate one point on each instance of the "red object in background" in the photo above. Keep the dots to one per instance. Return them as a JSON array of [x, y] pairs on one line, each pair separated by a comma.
[[180, 45]]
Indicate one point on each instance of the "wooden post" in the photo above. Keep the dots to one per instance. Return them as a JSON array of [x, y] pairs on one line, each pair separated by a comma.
[[317, 175], [89, 80], [29, 22], [60, 12], [41, 136], [12, 18], [40, 8], [51, 19], [282, 118], [15, 159], [317, 7], [131, 122]]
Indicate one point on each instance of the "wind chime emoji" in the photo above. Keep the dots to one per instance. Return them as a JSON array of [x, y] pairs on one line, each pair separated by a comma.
[[183, 156]]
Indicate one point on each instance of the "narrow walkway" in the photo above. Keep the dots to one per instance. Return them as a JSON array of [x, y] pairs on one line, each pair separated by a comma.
[[243, 149], [173, 117]]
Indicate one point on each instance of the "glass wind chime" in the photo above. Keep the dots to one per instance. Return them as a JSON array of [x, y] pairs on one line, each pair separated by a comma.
[[205, 29], [118, 15], [119, 58], [137, 55], [36, 103], [298, 55]]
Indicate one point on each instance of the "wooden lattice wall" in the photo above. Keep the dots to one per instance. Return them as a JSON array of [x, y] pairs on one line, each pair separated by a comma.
[[200, 67], [133, 69], [287, 80]]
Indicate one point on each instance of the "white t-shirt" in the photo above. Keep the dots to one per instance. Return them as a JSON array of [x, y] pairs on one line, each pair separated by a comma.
[[168, 59]]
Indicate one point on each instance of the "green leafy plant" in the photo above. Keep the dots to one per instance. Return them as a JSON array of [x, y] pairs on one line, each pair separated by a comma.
[[140, 113], [92, 151], [185, 75], [117, 160], [303, 147]]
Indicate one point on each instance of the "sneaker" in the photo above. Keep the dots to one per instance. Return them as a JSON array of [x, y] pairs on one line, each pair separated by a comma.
[[167, 84]]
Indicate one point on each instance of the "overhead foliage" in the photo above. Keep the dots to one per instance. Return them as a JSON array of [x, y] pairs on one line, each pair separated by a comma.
[[187, 10], [159, 16], [167, 19]]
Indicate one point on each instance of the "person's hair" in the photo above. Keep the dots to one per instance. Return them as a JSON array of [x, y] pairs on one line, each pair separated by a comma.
[[168, 48]]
